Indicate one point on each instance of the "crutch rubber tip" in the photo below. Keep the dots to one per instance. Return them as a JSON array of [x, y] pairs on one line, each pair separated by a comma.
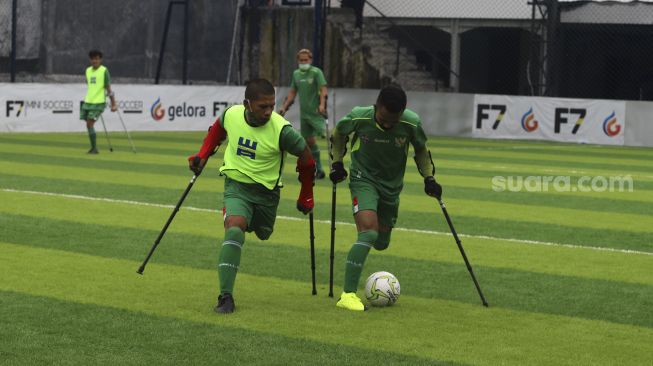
[[140, 271]]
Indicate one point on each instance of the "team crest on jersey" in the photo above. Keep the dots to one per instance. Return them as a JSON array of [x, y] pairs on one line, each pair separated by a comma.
[[247, 148], [400, 141], [364, 139]]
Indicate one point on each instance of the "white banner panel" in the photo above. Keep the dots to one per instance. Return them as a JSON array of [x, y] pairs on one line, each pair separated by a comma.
[[32, 107], [555, 119]]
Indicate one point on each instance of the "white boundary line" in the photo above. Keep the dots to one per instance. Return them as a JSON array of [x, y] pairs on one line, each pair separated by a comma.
[[290, 218]]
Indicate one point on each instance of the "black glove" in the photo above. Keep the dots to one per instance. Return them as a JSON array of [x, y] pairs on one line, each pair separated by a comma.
[[432, 188], [196, 164], [338, 172]]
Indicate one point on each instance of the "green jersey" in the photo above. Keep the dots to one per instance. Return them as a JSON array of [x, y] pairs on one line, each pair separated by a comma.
[[308, 84], [379, 155]]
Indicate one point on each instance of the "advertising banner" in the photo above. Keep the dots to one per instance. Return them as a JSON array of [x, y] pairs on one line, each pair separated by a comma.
[[553, 119], [55, 107]]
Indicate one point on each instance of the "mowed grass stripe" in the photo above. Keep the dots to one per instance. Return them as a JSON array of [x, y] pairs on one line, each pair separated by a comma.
[[176, 166], [518, 145], [482, 186], [519, 289], [413, 245], [33, 323], [436, 329], [431, 221], [526, 155], [462, 163], [177, 149], [144, 138], [615, 152], [483, 209], [482, 168]]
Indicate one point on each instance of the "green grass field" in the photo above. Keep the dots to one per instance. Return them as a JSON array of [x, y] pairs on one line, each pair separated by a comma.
[[568, 275]]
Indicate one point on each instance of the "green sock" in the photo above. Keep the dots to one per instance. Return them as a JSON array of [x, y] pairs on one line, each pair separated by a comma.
[[92, 136], [356, 259], [229, 259], [315, 151]]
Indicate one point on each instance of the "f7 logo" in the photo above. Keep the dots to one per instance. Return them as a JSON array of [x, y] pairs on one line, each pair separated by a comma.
[[561, 115], [218, 107], [481, 114], [15, 105]]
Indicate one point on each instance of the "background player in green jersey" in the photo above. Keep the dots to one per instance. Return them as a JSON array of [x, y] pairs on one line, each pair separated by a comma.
[[98, 80], [379, 151], [308, 81], [259, 139]]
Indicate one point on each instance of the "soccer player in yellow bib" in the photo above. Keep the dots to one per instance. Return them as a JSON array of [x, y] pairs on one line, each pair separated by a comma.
[[381, 135], [98, 81], [259, 139], [308, 81]]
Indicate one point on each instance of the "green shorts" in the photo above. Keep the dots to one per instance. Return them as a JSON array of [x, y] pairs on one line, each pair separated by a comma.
[[91, 111], [365, 196], [312, 127], [254, 202]]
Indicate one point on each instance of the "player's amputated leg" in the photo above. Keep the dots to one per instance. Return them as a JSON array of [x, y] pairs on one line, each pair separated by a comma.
[[315, 151]]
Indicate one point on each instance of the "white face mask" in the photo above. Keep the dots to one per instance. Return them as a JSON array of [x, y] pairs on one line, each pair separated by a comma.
[[251, 117], [304, 67]]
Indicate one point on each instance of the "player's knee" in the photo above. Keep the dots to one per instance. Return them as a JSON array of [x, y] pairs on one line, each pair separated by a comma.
[[368, 237], [263, 233], [383, 241], [234, 233]]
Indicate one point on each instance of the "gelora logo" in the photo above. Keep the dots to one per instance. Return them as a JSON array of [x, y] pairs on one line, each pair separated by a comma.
[[157, 110], [528, 121], [610, 125]]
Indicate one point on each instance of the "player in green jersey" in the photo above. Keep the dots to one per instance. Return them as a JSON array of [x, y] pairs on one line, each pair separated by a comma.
[[98, 81], [259, 139], [308, 81], [379, 151]]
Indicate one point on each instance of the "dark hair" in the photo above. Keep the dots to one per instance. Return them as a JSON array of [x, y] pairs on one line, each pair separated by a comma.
[[393, 98], [94, 53], [258, 87]]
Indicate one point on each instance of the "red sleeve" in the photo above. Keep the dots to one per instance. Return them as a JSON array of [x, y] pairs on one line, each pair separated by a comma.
[[306, 171], [213, 139]]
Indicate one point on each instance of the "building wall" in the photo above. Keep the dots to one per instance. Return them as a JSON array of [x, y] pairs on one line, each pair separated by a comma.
[[58, 34]]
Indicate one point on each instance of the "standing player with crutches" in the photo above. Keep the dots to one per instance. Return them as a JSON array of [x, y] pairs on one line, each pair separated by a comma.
[[98, 82], [309, 84]]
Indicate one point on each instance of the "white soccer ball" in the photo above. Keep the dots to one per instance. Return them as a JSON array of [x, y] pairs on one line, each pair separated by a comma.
[[382, 289]]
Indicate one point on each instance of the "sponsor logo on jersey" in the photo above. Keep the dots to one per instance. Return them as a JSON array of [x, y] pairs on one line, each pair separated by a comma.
[[247, 148]]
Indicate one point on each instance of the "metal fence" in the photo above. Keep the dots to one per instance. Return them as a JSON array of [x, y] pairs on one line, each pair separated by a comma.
[[8, 37], [585, 49], [53, 39]]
